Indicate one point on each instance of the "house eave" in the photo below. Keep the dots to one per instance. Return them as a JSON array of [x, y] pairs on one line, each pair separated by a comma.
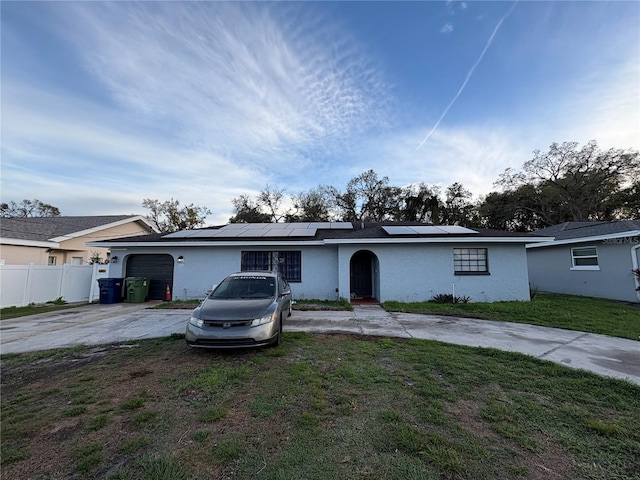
[[28, 243], [124, 245], [437, 240], [594, 238]]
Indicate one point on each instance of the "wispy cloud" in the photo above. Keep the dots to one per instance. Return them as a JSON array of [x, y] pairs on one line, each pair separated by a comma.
[[469, 74], [232, 77], [447, 28]]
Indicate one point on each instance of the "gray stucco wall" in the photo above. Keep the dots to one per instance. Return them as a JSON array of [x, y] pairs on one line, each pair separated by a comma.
[[417, 272], [412, 272], [550, 271], [204, 267]]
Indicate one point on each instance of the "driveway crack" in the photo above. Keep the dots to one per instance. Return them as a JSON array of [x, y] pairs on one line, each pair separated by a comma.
[[396, 317], [562, 345]]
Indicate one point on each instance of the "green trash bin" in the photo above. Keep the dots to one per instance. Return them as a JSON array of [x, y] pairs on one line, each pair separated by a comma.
[[137, 289]]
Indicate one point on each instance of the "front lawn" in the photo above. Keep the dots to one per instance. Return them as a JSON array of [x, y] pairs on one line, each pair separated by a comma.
[[585, 314], [317, 407]]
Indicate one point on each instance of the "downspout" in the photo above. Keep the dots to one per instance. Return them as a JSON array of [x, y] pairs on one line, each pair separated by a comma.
[[634, 262]]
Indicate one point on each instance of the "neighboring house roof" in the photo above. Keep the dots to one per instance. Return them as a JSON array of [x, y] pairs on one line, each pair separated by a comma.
[[49, 231], [324, 233], [574, 232]]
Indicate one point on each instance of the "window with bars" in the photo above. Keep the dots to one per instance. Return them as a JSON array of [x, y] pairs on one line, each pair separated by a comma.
[[470, 261], [288, 263]]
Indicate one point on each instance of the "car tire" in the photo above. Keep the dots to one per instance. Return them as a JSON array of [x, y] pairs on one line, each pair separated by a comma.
[[278, 340]]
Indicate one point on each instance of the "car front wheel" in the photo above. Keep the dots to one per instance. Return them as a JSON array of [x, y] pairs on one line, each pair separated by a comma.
[[278, 340]]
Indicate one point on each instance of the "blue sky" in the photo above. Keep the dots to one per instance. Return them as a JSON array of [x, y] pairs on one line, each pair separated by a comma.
[[104, 104]]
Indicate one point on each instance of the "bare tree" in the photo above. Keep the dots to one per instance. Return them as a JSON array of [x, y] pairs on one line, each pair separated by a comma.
[[28, 208]]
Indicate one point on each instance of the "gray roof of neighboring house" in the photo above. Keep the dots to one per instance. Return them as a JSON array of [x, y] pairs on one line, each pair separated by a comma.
[[571, 230], [47, 228]]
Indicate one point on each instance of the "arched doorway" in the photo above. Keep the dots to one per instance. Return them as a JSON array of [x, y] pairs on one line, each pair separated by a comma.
[[363, 269]]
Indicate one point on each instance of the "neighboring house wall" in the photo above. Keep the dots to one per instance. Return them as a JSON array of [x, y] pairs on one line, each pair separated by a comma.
[[19, 255], [550, 270], [70, 250], [76, 247]]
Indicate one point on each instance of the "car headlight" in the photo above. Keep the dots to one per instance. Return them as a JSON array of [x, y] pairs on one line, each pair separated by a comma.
[[262, 320], [198, 322]]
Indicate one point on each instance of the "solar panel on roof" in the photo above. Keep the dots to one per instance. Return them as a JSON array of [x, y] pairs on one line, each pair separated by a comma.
[[277, 232], [295, 229], [426, 230], [456, 229], [303, 232], [278, 226], [398, 230], [204, 234], [233, 226], [174, 235], [341, 226], [181, 234]]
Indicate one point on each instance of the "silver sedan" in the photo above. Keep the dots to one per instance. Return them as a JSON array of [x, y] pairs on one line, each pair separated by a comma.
[[246, 309]]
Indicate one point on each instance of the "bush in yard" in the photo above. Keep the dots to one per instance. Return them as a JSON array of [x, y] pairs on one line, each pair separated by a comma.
[[449, 298]]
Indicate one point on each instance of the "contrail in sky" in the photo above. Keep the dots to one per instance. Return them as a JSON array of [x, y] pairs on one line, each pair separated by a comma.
[[466, 80]]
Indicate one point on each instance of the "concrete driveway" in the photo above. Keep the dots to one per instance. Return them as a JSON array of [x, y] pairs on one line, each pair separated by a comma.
[[122, 322]]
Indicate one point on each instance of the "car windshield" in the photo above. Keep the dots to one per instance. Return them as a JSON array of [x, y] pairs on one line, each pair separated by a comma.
[[246, 287]]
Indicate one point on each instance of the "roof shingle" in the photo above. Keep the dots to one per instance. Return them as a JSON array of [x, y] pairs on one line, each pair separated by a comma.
[[46, 228]]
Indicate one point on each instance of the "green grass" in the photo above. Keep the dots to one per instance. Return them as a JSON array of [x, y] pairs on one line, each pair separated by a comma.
[[315, 304], [301, 304], [186, 304], [585, 314], [326, 406], [34, 309]]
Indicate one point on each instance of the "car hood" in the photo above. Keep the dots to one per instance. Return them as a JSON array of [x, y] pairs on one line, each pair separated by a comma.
[[232, 309]]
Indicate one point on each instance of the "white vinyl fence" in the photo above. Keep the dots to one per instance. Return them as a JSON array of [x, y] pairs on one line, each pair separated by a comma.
[[21, 285]]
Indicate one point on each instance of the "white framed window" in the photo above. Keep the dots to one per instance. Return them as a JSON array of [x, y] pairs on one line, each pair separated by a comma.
[[470, 261], [77, 260], [51, 261], [584, 258]]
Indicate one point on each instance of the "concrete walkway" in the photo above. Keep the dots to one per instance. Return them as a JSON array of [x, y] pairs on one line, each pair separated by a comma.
[[97, 324]]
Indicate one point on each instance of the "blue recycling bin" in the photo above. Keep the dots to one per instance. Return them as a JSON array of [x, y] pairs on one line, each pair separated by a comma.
[[110, 290]]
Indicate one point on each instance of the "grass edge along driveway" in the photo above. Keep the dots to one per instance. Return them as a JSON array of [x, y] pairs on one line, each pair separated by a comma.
[[585, 314]]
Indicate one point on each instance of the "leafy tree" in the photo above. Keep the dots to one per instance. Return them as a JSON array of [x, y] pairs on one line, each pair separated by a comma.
[[248, 211], [420, 203], [571, 183], [28, 208], [316, 205], [96, 257], [510, 210], [367, 198], [169, 216], [627, 202], [457, 209]]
